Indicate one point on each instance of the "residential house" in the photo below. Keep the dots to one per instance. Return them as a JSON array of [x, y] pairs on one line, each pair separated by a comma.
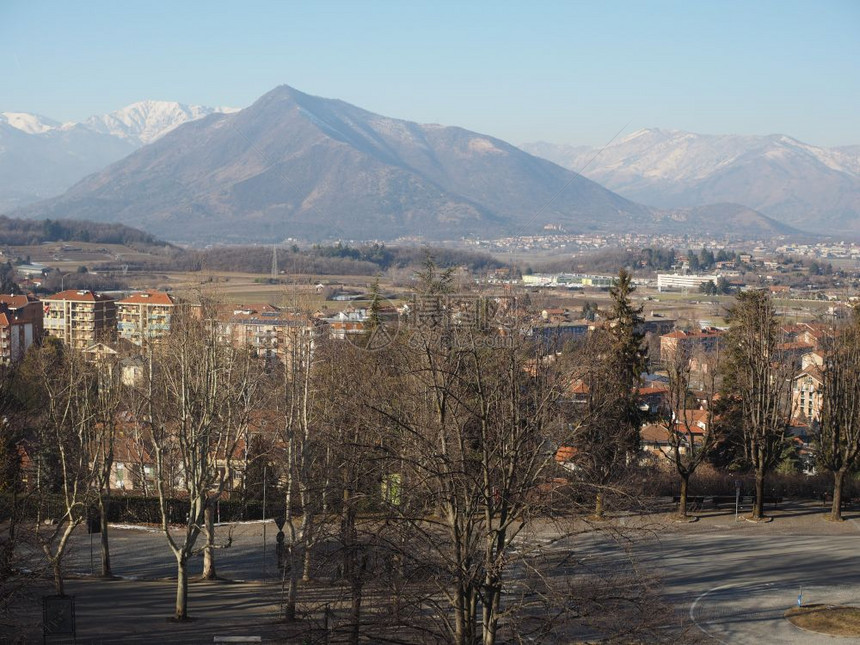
[[806, 392], [348, 322], [133, 466], [808, 334], [690, 430], [555, 315], [122, 355]]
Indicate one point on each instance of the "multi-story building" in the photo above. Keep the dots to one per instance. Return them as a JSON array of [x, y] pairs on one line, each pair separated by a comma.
[[20, 326], [145, 316], [80, 318], [673, 281], [689, 343], [269, 331], [807, 388]]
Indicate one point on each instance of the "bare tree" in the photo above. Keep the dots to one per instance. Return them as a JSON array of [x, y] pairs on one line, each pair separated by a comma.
[[757, 375], [64, 389], [468, 442], [689, 443], [294, 406], [200, 393], [838, 436], [107, 403]]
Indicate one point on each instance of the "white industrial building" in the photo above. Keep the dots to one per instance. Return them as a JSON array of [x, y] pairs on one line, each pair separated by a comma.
[[675, 282]]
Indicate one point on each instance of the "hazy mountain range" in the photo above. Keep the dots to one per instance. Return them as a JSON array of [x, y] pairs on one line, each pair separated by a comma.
[[808, 187], [41, 157], [295, 165]]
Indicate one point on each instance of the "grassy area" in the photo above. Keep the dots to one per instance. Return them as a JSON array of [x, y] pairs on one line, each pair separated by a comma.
[[834, 620]]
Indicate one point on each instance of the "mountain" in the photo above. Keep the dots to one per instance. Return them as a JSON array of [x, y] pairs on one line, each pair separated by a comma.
[[29, 123], [39, 164], [295, 165], [722, 219], [40, 157], [145, 121], [807, 187]]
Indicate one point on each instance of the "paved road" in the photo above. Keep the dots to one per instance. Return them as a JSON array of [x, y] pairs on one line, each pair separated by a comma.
[[730, 581], [734, 580], [145, 554]]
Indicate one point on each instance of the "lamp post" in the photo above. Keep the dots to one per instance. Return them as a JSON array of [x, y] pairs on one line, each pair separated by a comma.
[[264, 519]]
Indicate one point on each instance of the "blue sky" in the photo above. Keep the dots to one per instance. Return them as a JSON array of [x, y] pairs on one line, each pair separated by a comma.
[[567, 72]]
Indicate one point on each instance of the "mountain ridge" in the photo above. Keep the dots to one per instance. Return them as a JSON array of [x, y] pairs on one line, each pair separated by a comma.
[[798, 184], [285, 162], [41, 157], [296, 165]]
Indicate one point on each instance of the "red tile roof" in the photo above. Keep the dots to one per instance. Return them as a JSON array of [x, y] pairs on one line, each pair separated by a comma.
[[15, 302], [814, 371], [150, 297], [79, 296]]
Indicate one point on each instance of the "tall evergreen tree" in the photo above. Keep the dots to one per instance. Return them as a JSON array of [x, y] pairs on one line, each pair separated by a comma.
[[625, 327]]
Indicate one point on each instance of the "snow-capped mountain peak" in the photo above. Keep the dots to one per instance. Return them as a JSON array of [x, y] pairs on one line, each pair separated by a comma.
[[803, 185], [41, 157], [139, 123], [29, 123], [146, 121]]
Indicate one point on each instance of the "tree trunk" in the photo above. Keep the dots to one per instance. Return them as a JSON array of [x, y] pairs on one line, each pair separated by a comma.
[[8, 547], [58, 576], [292, 555], [104, 506], [355, 609], [758, 504], [460, 617], [181, 588], [307, 541], [682, 503], [293, 588], [209, 549], [491, 612], [836, 509], [598, 506], [347, 533], [472, 616]]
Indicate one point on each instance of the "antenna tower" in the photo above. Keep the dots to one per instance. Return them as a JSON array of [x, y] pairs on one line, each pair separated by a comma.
[[274, 263]]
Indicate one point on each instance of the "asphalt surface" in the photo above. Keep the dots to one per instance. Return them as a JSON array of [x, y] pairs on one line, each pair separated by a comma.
[[729, 581]]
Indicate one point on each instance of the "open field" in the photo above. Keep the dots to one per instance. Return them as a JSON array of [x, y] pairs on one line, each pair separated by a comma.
[[300, 290]]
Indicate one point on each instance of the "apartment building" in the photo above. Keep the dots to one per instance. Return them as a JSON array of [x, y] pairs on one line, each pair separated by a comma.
[[20, 326], [269, 331], [79, 318], [689, 343], [145, 316], [807, 387]]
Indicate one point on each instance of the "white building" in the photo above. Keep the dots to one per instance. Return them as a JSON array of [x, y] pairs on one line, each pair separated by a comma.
[[673, 281]]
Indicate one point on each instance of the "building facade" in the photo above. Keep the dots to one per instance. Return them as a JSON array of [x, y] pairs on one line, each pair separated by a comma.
[[80, 318], [268, 331], [20, 326], [145, 316], [675, 282]]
